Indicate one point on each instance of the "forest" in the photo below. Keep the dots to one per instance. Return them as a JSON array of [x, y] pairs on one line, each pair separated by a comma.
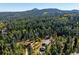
[[39, 32]]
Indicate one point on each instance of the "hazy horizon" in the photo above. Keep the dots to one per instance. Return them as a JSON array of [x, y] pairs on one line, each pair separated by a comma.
[[16, 7]]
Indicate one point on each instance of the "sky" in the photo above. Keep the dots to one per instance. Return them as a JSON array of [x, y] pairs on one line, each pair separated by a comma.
[[28, 6]]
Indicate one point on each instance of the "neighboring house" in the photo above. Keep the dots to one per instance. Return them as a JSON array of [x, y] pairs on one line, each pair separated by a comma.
[[4, 31], [44, 45]]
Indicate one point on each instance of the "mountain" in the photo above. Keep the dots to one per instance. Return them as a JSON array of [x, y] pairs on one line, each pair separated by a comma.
[[35, 12]]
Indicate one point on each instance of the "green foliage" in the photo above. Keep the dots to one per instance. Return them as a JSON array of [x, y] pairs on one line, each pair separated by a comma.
[[63, 28]]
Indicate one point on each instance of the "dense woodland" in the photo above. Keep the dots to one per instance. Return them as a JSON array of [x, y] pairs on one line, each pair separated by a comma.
[[62, 27]]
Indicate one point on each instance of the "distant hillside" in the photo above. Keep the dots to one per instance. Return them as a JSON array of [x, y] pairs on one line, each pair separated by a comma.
[[35, 12]]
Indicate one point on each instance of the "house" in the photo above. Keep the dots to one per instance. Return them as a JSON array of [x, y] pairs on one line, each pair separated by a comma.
[[42, 50], [47, 40], [4, 31]]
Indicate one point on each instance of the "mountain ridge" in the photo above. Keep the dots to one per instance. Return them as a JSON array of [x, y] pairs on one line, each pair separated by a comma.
[[36, 12]]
